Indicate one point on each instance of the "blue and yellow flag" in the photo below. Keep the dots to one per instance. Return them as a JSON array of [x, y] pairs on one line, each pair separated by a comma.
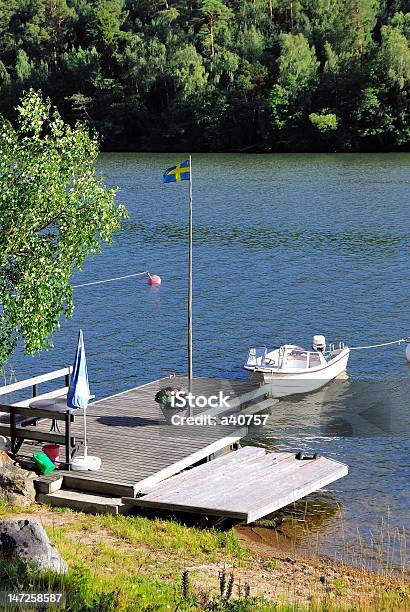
[[180, 172]]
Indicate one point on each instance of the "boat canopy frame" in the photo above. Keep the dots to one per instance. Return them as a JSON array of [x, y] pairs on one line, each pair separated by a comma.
[[288, 353]]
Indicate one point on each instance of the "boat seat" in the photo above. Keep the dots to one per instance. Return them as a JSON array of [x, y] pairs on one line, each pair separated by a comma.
[[21, 421]]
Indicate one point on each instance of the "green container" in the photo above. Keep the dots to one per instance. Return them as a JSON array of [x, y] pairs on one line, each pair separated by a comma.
[[44, 463]]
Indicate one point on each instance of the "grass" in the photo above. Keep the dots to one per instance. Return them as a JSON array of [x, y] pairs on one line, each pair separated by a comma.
[[5, 508], [272, 564], [136, 564], [171, 536]]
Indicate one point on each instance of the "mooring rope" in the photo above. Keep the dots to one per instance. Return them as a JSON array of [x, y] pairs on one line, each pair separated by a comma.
[[370, 346], [109, 280], [351, 348]]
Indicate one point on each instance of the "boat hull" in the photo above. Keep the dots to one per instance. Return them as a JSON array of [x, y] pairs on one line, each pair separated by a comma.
[[282, 384]]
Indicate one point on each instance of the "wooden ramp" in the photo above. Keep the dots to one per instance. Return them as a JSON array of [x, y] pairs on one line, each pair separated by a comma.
[[246, 484]]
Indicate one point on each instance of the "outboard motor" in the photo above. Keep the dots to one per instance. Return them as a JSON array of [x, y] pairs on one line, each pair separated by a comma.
[[319, 343]]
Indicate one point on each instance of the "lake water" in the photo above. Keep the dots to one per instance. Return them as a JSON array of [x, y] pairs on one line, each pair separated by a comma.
[[285, 246]]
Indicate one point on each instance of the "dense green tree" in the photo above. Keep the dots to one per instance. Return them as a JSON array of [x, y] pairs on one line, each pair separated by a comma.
[[4, 77], [217, 14], [54, 212], [187, 71], [109, 17], [216, 74], [297, 77], [23, 66], [383, 107], [324, 122], [395, 56]]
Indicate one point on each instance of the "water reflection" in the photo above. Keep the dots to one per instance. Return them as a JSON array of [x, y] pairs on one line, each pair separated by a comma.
[[303, 528], [271, 238], [366, 425]]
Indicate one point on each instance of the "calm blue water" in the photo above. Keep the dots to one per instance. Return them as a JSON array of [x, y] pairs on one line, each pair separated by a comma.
[[286, 246]]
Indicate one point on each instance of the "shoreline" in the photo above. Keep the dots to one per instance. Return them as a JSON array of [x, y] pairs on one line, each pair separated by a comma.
[[276, 541], [114, 549], [296, 570], [269, 541], [254, 151]]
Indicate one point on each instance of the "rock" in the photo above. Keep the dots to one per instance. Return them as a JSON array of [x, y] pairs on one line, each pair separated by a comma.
[[26, 539], [16, 484], [4, 442]]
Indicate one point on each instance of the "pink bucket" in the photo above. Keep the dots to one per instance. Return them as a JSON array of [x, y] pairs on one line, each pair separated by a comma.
[[52, 451]]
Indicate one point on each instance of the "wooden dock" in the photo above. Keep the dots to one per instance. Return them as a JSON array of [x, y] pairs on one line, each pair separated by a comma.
[[145, 458], [138, 448], [246, 484]]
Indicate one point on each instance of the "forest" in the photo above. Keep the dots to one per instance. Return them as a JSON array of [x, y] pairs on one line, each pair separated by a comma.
[[216, 75]]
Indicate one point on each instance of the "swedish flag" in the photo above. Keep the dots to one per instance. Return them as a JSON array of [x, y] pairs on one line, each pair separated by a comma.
[[180, 172]]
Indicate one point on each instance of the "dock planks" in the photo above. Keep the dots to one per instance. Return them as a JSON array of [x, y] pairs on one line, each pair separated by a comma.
[[138, 449], [247, 484]]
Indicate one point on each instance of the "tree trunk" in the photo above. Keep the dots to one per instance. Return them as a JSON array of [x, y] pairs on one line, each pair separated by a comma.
[[211, 34]]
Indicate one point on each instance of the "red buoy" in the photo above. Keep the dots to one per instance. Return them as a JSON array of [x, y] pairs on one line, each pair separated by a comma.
[[154, 280]]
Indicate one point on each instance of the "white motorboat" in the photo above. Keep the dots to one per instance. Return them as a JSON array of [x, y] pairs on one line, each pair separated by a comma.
[[291, 369]]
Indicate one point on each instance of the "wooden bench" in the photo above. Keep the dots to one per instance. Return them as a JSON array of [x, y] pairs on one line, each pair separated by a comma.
[[22, 416], [18, 429]]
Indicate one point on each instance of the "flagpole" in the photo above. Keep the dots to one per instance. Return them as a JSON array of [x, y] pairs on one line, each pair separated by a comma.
[[190, 374]]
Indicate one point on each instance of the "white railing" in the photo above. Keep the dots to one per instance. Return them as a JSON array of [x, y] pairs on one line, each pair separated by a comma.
[[34, 384]]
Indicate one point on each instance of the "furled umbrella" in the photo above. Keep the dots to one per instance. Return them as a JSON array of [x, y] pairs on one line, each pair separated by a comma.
[[78, 397]]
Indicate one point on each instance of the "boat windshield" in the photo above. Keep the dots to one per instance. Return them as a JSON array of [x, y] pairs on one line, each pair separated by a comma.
[[298, 358], [256, 356]]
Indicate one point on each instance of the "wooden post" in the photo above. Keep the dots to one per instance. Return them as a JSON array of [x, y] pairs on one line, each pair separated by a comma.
[[68, 439], [13, 430]]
